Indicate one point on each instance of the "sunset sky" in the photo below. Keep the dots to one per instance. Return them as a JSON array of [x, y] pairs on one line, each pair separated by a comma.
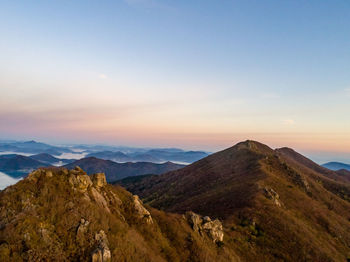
[[192, 74]]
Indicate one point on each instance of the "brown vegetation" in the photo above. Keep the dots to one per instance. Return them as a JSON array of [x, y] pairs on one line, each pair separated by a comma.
[[276, 204], [61, 215]]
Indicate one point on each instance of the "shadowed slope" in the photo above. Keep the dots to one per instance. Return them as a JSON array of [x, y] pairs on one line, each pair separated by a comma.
[[206, 185]]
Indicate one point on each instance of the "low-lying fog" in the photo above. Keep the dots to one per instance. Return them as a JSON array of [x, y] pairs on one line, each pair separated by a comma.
[[6, 180]]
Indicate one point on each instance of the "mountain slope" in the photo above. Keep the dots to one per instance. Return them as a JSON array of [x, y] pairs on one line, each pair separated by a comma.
[[17, 165], [276, 204], [109, 155], [65, 215], [344, 173], [50, 160], [115, 171]]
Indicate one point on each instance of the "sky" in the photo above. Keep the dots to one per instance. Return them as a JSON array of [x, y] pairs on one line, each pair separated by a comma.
[[195, 74]]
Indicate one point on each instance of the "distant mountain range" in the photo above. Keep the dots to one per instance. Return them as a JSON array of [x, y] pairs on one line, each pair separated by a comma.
[[33, 147], [153, 155], [17, 165], [336, 166], [115, 171], [114, 153]]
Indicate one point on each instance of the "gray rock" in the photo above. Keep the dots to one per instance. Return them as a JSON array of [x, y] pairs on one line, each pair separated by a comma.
[[204, 225], [272, 195]]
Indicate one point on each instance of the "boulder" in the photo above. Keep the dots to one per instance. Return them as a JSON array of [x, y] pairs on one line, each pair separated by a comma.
[[204, 225], [79, 179], [99, 180], [141, 212]]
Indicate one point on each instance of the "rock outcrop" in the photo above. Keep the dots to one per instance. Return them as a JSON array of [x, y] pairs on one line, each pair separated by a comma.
[[79, 179], [100, 199], [102, 252], [272, 195], [99, 180], [212, 228], [82, 229], [141, 212]]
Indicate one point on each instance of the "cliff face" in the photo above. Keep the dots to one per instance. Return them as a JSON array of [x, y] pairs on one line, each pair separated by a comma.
[[66, 215]]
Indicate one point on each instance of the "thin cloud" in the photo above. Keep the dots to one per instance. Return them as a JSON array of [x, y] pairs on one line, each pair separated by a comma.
[[288, 122]]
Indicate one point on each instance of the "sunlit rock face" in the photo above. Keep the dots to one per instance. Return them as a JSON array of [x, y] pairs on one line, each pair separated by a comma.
[[204, 225]]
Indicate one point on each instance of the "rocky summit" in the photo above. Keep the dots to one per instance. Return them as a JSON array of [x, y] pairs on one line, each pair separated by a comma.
[[56, 214]]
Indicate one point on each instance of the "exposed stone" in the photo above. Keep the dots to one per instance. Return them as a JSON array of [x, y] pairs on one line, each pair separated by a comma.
[[79, 179], [116, 200], [82, 229], [48, 173], [34, 176], [194, 220], [212, 228], [99, 180], [102, 252], [272, 195], [141, 211], [100, 200]]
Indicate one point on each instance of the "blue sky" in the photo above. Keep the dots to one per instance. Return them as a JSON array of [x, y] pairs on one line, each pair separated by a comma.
[[193, 74]]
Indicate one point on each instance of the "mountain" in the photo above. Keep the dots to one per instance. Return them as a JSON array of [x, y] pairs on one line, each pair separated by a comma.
[[336, 166], [17, 165], [65, 215], [110, 155], [51, 160], [344, 173], [115, 171], [45, 158], [177, 155], [153, 155], [32, 147], [276, 205]]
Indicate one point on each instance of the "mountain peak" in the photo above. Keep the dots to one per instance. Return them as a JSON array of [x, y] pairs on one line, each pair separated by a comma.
[[254, 146]]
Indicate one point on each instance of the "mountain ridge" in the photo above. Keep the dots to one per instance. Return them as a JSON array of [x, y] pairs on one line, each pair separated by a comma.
[[269, 193], [115, 171]]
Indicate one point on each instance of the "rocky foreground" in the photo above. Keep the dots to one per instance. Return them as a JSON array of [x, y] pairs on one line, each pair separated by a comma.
[[66, 215]]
